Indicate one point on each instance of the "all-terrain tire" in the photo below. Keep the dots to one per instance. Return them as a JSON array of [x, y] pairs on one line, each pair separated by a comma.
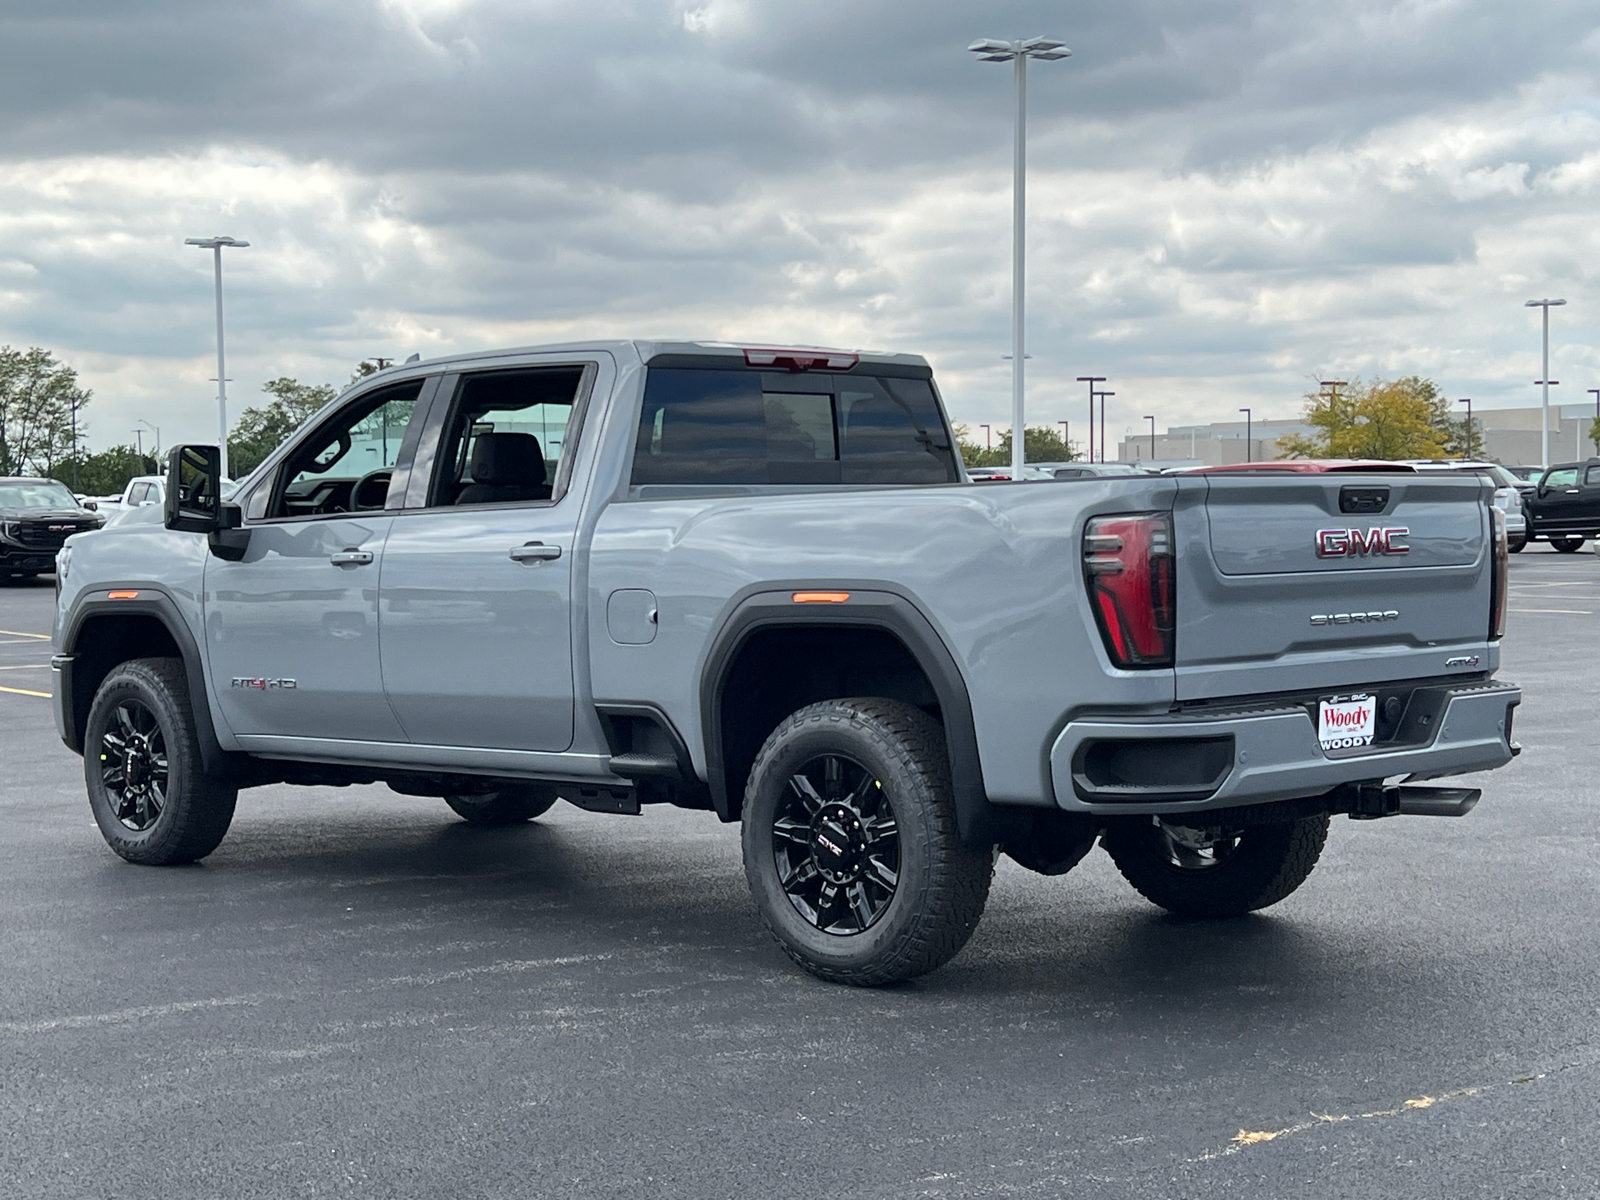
[[1263, 865], [166, 809], [509, 806], [896, 754], [1567, 545]]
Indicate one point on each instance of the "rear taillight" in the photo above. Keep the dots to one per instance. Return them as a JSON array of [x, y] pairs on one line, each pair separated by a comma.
[[1499, 570], [1128, 561]]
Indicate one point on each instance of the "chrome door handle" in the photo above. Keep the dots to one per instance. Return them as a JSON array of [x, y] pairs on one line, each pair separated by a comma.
[[534, 552], [351, 558]]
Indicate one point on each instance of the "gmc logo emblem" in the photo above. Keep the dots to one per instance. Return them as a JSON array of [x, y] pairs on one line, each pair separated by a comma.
[[1349, 543]]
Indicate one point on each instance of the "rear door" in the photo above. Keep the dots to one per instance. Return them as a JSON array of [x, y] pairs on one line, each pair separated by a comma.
[[1323, 581], [476, 621]]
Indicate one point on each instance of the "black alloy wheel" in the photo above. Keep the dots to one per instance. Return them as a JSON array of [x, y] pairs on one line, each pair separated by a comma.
[[852, 846], [836, 845], [149, 790], [133, 765]]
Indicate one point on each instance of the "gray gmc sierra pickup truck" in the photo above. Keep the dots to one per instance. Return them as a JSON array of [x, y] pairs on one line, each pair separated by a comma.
[[756, 581]]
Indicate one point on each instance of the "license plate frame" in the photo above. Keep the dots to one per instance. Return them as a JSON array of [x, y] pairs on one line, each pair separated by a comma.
[[1354, 721]]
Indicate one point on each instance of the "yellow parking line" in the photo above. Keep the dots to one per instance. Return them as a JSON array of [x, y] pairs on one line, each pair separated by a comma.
[[43, 637], [26, 667], [25, 692]]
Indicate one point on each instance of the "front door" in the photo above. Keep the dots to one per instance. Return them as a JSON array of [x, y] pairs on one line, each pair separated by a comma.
[[292, 627], [1558, 504], [476, 623]]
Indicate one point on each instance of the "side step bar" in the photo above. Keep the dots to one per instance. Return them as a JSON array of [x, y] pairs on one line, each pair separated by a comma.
[[1370, 801]]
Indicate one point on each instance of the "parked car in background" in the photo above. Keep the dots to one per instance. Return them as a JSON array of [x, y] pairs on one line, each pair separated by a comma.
[[1527, 474], [36, 517], [143, 490], [1564, 508], [1003, 474], [1088, 470], [1508, 492]]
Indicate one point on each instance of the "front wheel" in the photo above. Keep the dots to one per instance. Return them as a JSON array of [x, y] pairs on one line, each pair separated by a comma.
[[1195, 870], [148, 788], [1516, 545], [509, 806], [1567, 545], [851, 843]]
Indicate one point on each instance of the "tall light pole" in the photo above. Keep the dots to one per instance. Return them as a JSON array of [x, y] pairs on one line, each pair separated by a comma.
[[1103, 396], [1018, 53], [1544, 423], [1249, 452], [1152, 421], [1066, 431], [215, 245], [1091, 380], [1467, 400], [988, 441]]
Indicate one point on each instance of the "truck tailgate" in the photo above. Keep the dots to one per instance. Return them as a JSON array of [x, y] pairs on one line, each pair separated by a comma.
[[1327, 581]]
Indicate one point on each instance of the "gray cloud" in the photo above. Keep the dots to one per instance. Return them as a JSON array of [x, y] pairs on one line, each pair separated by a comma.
[[1226, 196]]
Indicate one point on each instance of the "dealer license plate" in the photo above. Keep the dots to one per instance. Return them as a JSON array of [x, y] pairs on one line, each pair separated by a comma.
[[1344, 721]]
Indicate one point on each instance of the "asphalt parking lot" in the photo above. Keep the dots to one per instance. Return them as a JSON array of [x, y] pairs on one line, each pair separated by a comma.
[[359, 995]]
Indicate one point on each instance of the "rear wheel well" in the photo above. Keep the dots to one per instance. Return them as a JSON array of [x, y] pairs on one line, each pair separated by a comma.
[[780, 670], [104, 642]]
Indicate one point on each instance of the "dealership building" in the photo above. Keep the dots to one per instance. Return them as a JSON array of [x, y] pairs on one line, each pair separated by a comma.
[[1507, 435]]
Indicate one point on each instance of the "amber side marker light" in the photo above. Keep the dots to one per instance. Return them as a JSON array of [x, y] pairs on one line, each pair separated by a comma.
[[821, 597], [123, 595]]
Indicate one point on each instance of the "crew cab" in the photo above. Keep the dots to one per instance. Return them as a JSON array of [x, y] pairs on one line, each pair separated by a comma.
[[756, 581], [37, 516], [1564, 505]]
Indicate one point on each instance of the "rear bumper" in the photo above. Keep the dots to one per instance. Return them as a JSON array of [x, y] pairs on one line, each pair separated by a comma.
[[1275, 755]]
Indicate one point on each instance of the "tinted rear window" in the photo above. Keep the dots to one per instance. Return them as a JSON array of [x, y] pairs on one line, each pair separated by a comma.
[[743, 427]]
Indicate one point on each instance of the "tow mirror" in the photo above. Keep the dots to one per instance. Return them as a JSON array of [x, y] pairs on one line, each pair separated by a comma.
[[194, 489]]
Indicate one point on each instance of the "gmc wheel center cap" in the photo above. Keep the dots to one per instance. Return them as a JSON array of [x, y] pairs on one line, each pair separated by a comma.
[[837, 843]]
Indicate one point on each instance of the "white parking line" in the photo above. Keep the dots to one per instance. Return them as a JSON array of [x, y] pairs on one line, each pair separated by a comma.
[[1576, 612]]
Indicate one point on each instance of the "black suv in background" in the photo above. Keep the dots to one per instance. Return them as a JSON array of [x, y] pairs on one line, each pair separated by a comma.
[[36, 516], [1564, 506]]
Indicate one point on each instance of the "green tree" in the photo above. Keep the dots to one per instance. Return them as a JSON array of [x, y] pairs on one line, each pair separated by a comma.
[[1040, 443], [105, 473], [1594, 434], [260, 431], [1403, 418], [38, 398]]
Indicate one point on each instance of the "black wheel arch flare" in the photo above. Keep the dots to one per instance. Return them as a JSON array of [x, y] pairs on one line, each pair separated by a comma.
[[150, 602], [869, 608]]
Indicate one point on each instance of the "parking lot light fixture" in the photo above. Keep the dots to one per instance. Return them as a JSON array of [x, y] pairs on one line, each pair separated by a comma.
[[1467, 400], [1018, 53], [1152, 421], [1091, 380], [215, 245], [1249, 454], [1103, 396], [1545, 380]]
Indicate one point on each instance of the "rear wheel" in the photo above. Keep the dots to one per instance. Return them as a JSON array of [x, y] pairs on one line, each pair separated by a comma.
[[1567, 545], [1196, 870], [148, 788], [1516, 545], [509, 806], [851, 843]]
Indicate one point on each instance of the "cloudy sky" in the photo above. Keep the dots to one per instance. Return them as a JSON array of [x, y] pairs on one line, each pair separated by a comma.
[[1227, 197]]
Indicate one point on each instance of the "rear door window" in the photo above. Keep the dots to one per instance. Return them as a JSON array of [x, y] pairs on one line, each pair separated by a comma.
[[710, 427]]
